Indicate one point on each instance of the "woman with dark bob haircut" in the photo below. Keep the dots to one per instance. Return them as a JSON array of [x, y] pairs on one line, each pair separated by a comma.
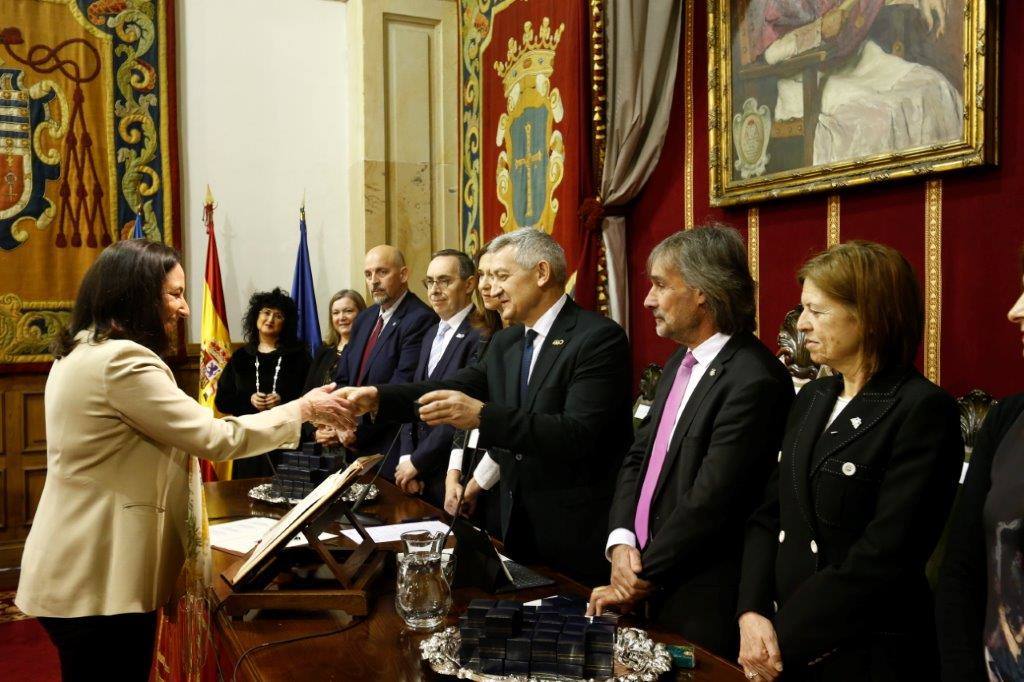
[[270, 369], [120, 510], [980, 597], [833, 584]]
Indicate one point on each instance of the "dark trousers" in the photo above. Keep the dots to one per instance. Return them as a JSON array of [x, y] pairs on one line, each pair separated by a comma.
[[118, 647]]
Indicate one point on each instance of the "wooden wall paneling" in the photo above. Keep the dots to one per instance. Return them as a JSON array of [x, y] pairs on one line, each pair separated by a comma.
[[23, 447], [404, 128]]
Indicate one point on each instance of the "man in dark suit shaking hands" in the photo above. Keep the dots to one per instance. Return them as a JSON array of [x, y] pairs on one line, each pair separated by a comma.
[[700, 460], [447, 347], [384, 345], [551, 398]]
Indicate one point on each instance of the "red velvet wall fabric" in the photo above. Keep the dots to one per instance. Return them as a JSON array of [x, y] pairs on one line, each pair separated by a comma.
[[981, 232]]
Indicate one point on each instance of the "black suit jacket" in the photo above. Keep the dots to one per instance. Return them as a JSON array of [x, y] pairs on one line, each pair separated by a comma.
[[721, 454], [430, 447], [560, 451], [851, 516], [393, 360], [962, 594]]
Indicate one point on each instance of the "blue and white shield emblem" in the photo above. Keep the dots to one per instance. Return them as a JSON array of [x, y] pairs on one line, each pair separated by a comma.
[[529, 164]]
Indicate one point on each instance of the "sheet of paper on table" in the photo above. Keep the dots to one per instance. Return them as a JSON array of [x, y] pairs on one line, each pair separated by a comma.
[[393, 533], [239, 537]]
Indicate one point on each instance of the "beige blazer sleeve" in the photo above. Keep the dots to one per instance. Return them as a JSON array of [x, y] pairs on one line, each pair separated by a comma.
[[108, 533], [141, 387]]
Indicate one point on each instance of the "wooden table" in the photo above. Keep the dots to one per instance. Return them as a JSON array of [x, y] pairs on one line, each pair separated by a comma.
[[380, 647]]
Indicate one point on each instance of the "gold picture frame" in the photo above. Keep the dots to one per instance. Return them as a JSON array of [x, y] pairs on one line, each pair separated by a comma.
[[898, 88]]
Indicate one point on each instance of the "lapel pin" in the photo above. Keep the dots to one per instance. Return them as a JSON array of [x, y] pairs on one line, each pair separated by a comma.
[[459, 336], [713, 371], [557, 342], [856, 422]]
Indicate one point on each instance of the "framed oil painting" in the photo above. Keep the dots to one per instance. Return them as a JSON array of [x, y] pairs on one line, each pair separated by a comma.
[[817, 95]]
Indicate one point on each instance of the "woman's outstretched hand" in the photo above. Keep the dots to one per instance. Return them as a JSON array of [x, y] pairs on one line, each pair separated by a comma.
[[325, 406]]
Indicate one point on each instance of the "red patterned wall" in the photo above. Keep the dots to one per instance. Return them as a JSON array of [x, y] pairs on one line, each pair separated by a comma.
[[980, 239]]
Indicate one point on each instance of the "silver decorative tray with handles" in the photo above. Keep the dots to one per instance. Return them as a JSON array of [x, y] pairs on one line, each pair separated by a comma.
[[263, 493], [638, 658]]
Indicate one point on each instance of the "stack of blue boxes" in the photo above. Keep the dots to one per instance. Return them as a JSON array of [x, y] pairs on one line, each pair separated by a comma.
[[302, 470], [555, 638]]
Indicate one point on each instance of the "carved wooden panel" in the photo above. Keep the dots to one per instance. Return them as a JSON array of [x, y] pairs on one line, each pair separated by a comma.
[[23, 460], [3, 496], [33, 422]]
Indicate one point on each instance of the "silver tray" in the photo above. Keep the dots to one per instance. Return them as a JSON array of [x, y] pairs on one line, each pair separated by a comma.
[[637, 658], [262, 493]]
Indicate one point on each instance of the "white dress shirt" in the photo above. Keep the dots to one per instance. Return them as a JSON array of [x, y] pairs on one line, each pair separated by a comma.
[[487, 471], [704, 354], [453, 322], [543, 327]]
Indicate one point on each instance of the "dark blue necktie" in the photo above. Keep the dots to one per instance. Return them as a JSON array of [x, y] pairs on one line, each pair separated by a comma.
[[524, 368]]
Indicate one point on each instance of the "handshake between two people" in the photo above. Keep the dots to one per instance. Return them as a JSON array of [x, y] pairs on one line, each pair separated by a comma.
[[342, 407]]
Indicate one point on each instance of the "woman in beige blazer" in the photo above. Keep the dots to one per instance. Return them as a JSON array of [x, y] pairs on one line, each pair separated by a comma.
[[108, 539]]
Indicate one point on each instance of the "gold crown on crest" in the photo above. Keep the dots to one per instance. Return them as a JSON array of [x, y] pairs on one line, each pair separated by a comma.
[[535, 56]]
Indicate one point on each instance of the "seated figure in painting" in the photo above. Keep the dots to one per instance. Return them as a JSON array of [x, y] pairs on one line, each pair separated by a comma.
[[872, 101]]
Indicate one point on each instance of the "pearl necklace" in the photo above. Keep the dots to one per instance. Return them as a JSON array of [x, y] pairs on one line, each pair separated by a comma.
[[277, 370]]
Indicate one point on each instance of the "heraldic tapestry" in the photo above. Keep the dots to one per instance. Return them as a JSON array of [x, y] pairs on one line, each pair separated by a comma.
[[524, 129], [87, 142]]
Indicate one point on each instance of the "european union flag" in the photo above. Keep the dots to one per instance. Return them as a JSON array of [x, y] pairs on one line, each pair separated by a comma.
[[302, 291], [137, 232]]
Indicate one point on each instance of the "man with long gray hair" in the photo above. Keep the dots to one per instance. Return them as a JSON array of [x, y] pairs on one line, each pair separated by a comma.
[[551, 398], [701, 459]]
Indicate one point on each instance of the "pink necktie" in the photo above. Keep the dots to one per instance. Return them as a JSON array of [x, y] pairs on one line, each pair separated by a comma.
[[666, 425]]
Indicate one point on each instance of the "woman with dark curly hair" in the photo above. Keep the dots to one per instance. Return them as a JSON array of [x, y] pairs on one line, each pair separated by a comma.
[[269, 370]]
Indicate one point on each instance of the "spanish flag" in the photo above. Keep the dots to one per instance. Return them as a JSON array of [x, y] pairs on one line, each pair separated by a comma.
[[215, 346]]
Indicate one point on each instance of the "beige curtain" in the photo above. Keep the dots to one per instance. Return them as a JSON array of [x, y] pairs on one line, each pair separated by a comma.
[[642, 48]]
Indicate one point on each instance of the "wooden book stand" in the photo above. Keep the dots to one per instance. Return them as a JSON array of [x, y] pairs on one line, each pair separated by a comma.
[[258, 588]]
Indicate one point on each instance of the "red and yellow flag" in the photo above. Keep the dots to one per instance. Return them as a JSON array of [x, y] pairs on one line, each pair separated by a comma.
[[215, 344]]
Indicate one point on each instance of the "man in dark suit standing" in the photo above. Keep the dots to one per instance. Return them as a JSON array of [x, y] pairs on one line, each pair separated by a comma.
[[384, 345], [447, 347], [551, 399], [700, 459]]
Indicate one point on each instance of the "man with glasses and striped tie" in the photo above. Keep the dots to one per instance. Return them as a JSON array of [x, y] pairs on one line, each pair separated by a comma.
[[702, 456], [447, 347]]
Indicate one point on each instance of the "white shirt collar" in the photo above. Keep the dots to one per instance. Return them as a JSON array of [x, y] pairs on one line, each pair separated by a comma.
[[544, 323], [455, 321], [708, 350], [386, 314]]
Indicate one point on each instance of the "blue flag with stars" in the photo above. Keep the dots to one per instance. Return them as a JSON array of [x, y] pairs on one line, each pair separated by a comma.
[[302, 291]]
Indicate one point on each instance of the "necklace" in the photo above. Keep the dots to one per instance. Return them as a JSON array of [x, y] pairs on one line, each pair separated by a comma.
[[277, 370]]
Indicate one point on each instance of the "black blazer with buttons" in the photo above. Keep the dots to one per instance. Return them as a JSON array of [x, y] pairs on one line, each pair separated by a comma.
[[850, 517], [721, 454], [559, 452]]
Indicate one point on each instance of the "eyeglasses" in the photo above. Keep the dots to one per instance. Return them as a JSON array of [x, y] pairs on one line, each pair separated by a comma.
[[442, 282]]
